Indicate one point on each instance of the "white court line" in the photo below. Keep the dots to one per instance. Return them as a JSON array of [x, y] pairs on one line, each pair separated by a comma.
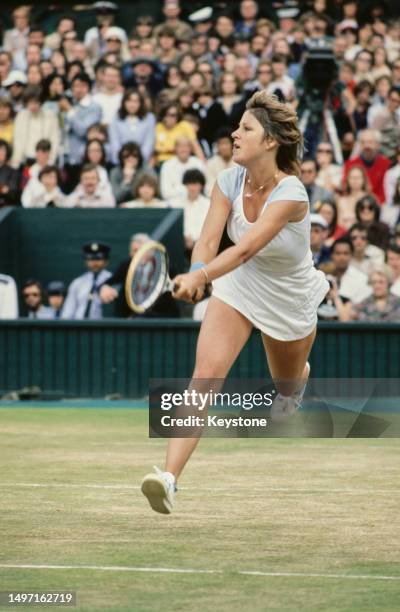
[[260, 488], [176, 570]]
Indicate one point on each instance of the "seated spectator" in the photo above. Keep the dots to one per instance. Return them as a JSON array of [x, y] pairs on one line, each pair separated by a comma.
[[355, 187], [281, 81], [221, 160], [320, 252], [43, 191], [125, 176], [33, 296], [42, 159], [54, 88], [110, 96], [144, 74], [390, 179], [15, 85], [329, 174], [133, 123], [169, 129], [145, 194], [66, 23], [8, 298], [6, 120], [32, 124], [368, 214], [91, 193], [15, 41], [381, 306], [374, 163], [365, 255], [393, 261], [9, 177], [106, 13], [56, 292], [390, 213], [352, 284], [83, 300], [387, 123], [95, 154], [328, 211], [79, 117], [113, 288], [314, 191], [195, 206], [230, 103], [172, 171]]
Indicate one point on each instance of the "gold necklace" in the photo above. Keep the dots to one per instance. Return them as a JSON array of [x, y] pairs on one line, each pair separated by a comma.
[[250, 195]]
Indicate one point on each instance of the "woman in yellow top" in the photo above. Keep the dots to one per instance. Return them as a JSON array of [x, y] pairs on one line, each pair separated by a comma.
[[169, 129], [6, 120]]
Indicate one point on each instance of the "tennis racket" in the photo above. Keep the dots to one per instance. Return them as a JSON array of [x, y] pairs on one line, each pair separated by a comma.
[[147, 277]]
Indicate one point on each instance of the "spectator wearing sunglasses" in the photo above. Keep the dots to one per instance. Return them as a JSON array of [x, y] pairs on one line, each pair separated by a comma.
[[387, 123], [368, 214], [33, 296], [329, 174]]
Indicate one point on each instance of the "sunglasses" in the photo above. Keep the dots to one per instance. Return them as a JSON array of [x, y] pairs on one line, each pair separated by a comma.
[[33, 294], [366, 207]]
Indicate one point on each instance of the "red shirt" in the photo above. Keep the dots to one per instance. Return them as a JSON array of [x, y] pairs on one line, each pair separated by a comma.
[[374, 171]]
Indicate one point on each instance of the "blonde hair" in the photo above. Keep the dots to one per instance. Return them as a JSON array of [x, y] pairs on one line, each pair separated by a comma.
[[382, 270], [279, 122]]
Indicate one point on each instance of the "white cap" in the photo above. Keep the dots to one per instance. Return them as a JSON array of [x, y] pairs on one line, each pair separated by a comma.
[[317, 219], [114, 32], [347, 24], [15, 76], [203, 14]]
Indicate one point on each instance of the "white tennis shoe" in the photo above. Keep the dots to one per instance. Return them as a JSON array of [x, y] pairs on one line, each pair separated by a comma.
[[283, 407], [159, 488]]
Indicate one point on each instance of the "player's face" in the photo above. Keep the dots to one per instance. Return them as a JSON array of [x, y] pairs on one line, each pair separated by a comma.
[[249, 142]]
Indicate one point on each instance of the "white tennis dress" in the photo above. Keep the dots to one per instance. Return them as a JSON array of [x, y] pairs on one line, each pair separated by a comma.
[[279, 289]]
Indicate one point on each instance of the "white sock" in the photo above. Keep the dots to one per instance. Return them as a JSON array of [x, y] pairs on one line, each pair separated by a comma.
[[169, 476]]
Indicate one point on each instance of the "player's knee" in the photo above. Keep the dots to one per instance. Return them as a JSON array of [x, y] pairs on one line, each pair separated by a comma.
[[209, 370]]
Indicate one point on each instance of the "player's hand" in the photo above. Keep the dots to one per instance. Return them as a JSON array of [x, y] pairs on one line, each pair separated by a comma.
[[189, 287], [108, 294]]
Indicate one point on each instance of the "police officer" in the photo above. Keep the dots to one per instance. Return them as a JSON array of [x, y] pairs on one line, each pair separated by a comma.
[[83, 301]]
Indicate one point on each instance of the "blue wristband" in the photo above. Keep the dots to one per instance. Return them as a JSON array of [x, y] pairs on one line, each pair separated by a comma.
[[197, 266]]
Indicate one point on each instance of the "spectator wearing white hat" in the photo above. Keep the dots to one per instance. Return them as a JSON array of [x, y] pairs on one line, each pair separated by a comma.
[[320, 252], [94, 37], [15, 84]]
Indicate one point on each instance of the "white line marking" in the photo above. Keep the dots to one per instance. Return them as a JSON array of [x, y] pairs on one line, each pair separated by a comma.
[[177, 570], [260, 488]]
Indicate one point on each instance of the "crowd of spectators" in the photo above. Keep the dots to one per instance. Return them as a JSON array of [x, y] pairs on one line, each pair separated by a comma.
[[143, 118]]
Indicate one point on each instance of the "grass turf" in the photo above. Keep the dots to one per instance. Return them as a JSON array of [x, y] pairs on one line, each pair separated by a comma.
[[272, 505]]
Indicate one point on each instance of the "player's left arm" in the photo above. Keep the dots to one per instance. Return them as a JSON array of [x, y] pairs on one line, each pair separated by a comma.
[[270, 223]]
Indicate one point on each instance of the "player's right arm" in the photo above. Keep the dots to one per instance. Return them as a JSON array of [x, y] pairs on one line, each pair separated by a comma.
[[207, 245]]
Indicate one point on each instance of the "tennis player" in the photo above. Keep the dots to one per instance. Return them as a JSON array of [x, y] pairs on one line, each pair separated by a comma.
[[266, 280]]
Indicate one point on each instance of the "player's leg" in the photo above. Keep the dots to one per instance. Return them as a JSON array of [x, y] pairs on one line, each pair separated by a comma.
[[290, 369], [223, 334]]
